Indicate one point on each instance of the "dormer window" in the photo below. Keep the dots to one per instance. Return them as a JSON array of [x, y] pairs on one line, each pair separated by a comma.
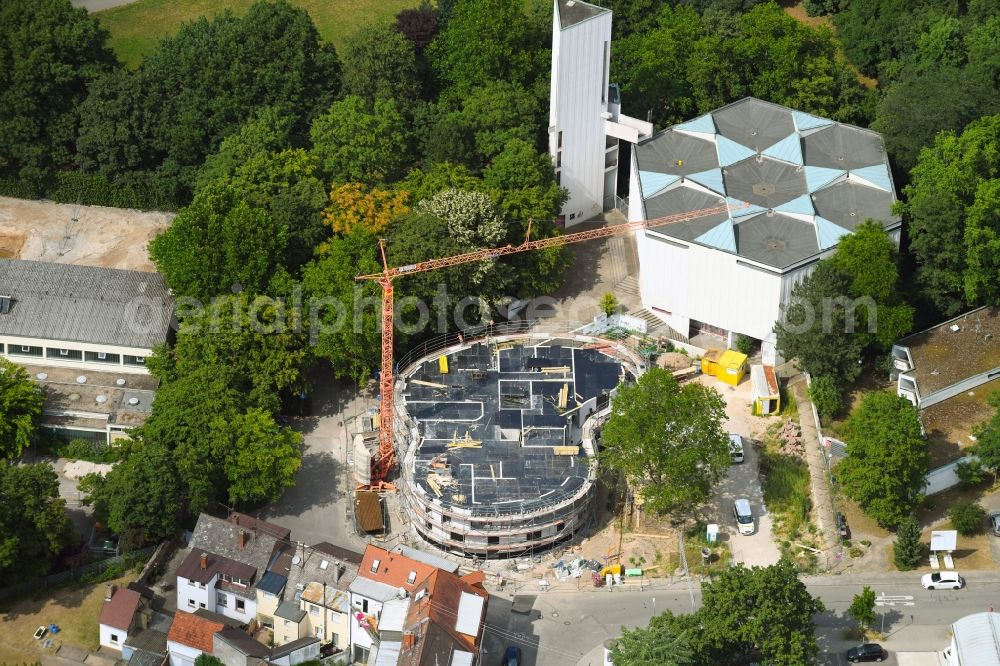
[[412, 578], [375, 564], [323, 565]]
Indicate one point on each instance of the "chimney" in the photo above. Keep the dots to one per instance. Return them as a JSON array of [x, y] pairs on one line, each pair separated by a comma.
[[243, 539], [204, 561], [408, 640], [109, 592]]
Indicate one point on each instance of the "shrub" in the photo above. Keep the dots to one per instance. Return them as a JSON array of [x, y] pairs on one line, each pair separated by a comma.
[[907, 550], [825, 395], [608, 304], [743, 344], [970, 473], [967, 517], [856, 551]]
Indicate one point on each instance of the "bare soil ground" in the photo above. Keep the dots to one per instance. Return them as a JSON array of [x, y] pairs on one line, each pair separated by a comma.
[[82, 235], [74, 610]]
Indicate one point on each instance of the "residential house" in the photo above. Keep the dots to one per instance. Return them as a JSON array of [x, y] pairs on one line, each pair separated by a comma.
[[445, 621], [148, 646], [119, 616], [410, 607], [235, 648], [190, 636], [306, 594], [296, 652], [228, 558], [84, 334]]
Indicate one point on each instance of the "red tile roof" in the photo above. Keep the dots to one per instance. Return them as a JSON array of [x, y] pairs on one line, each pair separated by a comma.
[[120, 611], [193, 631], [394, 569]]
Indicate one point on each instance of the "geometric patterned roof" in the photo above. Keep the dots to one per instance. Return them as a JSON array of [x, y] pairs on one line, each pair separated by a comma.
[[796, 183]]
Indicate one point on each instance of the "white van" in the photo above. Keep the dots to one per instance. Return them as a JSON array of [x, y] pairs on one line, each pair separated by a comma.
[[735, 448], [744, 517]]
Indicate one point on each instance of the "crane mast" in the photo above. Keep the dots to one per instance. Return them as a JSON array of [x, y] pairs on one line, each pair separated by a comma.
[[384, 462]]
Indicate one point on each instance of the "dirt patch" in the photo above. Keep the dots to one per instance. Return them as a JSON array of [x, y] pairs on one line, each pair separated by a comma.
[[82, 235], [74, 610], [673, 361]]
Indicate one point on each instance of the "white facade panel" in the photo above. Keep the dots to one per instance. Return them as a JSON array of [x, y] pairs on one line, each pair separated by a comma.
[[191, 596], [580, 56], [16, 342], [112, 637], [182, 655], [680, 284], [231, 607]]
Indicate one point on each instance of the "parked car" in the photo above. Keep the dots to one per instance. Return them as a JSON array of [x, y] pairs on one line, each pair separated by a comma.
[[842, 528], [866, 652], [995, 523], [735, 448], [946, 580], [512, 656], [744, 516]]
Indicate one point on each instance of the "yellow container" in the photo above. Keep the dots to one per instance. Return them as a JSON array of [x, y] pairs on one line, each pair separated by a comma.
[[443, 364], [731, 368]]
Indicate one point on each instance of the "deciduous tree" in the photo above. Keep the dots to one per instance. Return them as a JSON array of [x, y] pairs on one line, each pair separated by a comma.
[[50, 52], [220, 243], [358, 143], [765, 609], [664, 642], [344, 313], [887, 458], [862, 607], [259, 338], [942, 193], [34, 525], [356, 207], [667, 440], [261, 458], [379, 63], [815, 328], [907, 550], [140, 498], [203, 84], [20, 406]]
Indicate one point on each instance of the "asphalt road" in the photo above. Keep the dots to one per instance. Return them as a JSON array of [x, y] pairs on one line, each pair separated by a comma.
[[569, 627]]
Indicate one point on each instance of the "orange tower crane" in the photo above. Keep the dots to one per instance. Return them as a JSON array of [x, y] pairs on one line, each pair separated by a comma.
[[386, 459]]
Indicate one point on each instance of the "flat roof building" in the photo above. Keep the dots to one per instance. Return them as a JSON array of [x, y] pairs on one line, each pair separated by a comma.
[[84, 333]]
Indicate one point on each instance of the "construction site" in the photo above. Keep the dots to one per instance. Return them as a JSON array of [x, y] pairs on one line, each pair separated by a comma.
[[497, 439]]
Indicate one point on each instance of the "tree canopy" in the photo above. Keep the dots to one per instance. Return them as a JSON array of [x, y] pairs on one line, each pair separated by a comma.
[[667, 440], [886, 459], [34, 525], [51, 51], [140, 498], [357, 142], [951, 209], [761, 612], [379, 62], [20, 406], [200, 86]]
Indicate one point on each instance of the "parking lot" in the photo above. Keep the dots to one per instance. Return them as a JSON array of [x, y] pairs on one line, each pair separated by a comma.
[[743, 481]]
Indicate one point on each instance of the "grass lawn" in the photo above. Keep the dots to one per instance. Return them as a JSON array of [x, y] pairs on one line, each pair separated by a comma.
[[74, 610], [136, 29]]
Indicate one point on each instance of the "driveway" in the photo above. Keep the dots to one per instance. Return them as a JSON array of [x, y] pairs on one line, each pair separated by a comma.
[[317, 507], [743, 481]]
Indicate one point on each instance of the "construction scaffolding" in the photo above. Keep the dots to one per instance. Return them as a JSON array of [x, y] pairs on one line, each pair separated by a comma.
[[498, 452]]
